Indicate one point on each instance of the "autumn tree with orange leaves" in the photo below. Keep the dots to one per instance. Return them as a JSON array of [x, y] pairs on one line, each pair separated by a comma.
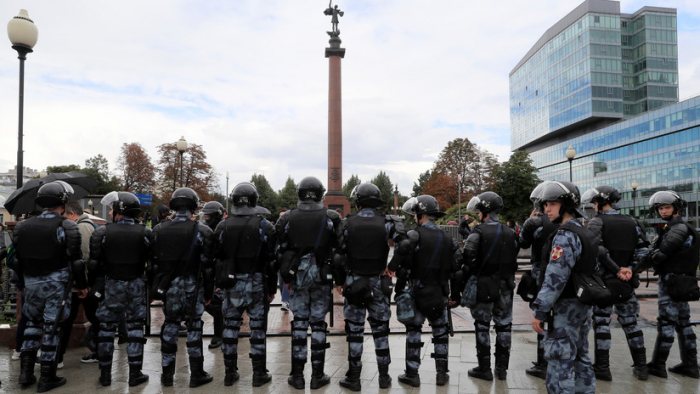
[[136, 172], [198, 174]]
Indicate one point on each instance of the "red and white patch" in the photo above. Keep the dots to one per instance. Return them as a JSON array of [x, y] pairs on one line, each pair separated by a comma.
[[557, 252]]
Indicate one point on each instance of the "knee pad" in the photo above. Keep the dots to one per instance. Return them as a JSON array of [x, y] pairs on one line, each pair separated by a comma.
[[168, 348], [300, 325], [354, 327], [481, 326], [505, 328], [135, 324], [320, 326], [233, 324], [256, 324]]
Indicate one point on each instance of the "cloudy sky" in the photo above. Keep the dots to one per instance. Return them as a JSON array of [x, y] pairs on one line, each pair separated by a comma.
[[248, 80]]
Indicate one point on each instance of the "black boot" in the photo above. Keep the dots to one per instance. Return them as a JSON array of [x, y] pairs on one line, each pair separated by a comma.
[[384, 378], [689, 359], [198, 376], [260, 372], [351, 381], [136, 377], [410, 377], [296, 377], [601, 368], [657, 366], [639, 356], [106, 375], [539, 368], [49, 380], [26, 375], [483, 371], [231, 370], [168, 375], [502, 366], [441, 377], [318, 378]]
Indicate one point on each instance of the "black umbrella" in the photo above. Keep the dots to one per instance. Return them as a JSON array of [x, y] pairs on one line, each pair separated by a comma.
[[22, 200]]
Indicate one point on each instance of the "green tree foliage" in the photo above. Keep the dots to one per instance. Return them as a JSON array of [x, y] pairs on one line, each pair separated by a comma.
[[516, 179], [287, 196], [350, 184], [97, 168], [383, 182], [268, 197], [423, 178]]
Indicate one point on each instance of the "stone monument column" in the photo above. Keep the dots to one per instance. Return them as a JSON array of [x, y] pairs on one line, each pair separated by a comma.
[[334, 196]]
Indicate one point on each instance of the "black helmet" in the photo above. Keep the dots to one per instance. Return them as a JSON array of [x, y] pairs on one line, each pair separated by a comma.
[[215, 211], [425, 204], [603, 195], [486, 202], [310, 188], [123, 203], [244, 198], [367, 195], [667, 197], [163, 209], [566, 193], [184, 198], [53, 194]]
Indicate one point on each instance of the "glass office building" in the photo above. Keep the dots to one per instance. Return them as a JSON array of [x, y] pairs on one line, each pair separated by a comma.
[[606, 83]]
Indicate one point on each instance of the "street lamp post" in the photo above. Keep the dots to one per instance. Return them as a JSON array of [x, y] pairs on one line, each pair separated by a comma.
[[227, 192], [23, 35], [570, 154], [181, 147], [635, 185], [459, 198], [90, 206]]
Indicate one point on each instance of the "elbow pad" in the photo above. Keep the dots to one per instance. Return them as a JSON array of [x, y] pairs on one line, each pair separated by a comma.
[[79, 274]]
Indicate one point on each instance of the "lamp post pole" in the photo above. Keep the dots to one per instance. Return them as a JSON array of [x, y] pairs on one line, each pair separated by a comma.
[[90, 206], [23, 35], [570, 154], [226, 192], [459, 198], [181, 147], [635, 185]]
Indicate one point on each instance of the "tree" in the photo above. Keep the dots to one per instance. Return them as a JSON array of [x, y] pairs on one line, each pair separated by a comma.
[[443, 188], [461, 159], [516, 179], [287, 196], [96, 168], [423, 178], [137, 173], [383, 182], [197, 174], [268, 197], [350, 184]]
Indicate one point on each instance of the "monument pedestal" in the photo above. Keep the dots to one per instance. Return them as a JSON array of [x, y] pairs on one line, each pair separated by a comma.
[[335, 200]]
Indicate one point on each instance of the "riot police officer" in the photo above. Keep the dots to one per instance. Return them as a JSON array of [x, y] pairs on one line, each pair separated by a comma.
[[536, 230], [622, 243], [245, 245], [675, 258], [491, 253], [361, 263], [48, 249], [121, 251], [428, 258], [306, 236], [570, 250], [183, 252], [213, 214]]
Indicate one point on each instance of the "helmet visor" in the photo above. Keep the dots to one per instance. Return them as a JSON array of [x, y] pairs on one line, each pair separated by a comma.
[[68, 189], [587, 198], [353, 193], [110, 198], [665, 197], [409, 206], [471, 207], [537, 191]]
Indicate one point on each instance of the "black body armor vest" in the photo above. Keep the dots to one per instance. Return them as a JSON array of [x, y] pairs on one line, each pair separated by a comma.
[[242, 242], [124, 251], [586, 262], [39, 251], [503, 259], [367, 247], [548, 228], [306, 229], [686, 260], [620, 238], [439, 271], [172, 248]]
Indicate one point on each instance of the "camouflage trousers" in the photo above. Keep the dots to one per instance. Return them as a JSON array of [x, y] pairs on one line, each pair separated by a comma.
[[673, 315], [247, 294], [379, 315], [502, 314], [127, 297], [310, 307], [627, 313], [42, 300], [569, 368], [440, 329], [176, 308]]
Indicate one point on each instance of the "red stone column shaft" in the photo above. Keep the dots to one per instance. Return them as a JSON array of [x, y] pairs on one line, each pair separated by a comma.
[[335, 126]]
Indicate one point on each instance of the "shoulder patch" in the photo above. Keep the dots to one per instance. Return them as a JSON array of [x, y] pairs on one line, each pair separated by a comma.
[[557, 252]]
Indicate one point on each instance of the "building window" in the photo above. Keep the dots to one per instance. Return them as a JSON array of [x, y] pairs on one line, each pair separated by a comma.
[[626, 93], [610, 91], [624, 39], [664, 60], [537, 92], [610, 104], [624, 24], [598, 64], [596, 19], [660, 89]]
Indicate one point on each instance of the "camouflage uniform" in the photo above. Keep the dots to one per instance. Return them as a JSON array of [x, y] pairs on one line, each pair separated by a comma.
[[569, 367]]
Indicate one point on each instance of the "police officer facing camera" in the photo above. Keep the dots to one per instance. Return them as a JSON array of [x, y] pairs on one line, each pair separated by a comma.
[[212, 215], [430, 257], [675, 258], [121, 252], [48, 248], [306, 237], [245, 248], [183, 251], [622, 244], [361, 263], [571, 249], [491, 253]]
